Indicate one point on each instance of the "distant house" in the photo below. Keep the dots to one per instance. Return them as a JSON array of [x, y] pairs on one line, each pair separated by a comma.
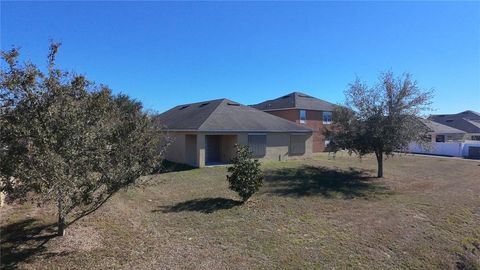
[[305, 110], [442, 133], [467, 121], [446, 141], [205, 133]]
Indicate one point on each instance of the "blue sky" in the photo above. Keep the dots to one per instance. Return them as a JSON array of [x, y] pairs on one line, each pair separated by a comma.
[[170, 53]]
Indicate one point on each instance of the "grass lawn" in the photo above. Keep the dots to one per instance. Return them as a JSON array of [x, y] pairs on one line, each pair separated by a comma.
[[320, 213]]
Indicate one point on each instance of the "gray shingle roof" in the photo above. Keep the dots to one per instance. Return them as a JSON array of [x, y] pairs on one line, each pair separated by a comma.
[[223, 115], [469, 114], [474, 122], [439, 128], [467, 121], [295, 100]]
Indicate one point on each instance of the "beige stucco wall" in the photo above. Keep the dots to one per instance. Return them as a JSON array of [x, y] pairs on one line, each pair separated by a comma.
[[191, 149], [277, 146], [176, 150]]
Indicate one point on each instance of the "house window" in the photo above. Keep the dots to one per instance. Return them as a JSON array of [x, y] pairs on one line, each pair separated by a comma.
[[427, 138], [303, 116], [257, 144], [476, 137], [297, 144], [327, 117], [440, 138]]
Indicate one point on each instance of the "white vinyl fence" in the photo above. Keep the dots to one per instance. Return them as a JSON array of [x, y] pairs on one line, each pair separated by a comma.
[[454, 149]]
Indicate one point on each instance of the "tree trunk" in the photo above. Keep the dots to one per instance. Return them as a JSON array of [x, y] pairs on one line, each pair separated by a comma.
[[380, 164], [61, 219], [61, 226]]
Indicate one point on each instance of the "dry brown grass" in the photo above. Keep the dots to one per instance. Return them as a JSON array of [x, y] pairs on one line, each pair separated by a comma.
[[321, 213]]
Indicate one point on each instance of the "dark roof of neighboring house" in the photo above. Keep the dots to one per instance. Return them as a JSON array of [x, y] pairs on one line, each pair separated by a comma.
[[474, 122], [469, 114], [223, 115], [295, 100], [439, 128], [468, 121]]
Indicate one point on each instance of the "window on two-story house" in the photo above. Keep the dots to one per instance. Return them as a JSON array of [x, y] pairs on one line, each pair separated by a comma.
[[303, 116], [327, 117]]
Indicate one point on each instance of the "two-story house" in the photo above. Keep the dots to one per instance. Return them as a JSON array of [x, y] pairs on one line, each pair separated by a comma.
[[303, 109]]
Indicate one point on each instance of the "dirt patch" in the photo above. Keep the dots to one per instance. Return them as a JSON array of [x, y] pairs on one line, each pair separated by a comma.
[[418, 187], [77, 239]]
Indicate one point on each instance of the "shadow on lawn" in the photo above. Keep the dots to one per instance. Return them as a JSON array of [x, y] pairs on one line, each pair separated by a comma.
[[205, 205], [168, 166], [322, 181], [22, 240]]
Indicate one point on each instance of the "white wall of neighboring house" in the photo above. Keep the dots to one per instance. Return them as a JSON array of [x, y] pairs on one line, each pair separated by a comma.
[[455, 149], [434, 148]]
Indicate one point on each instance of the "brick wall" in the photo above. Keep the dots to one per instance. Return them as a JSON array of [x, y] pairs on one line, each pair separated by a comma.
[[314, 121], [292, 115]]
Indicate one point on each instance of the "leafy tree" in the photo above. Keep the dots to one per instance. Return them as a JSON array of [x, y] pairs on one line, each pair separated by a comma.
[[380, 119], [246, 177], [65, 140]]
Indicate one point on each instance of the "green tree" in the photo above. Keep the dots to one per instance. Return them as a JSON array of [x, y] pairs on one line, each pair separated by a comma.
[[245, 175], [66, 140], [380, 119]]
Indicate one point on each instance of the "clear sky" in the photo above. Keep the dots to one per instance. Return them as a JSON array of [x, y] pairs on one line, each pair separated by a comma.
[[170, 53]]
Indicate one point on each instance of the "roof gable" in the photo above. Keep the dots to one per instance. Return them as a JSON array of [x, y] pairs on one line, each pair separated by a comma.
[[295, 100]]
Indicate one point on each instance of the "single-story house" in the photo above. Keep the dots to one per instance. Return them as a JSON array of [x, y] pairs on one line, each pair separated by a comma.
[[467, 121], [446, 141], [204, 133]]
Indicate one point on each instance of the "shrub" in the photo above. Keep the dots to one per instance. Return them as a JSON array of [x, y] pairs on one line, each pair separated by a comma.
[[246, 177]]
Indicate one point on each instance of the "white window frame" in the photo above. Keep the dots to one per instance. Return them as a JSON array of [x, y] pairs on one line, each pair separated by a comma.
[[302, 121], [328, 121]]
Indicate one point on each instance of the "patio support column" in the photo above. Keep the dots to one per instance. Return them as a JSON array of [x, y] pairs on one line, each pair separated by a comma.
[[201, 150]]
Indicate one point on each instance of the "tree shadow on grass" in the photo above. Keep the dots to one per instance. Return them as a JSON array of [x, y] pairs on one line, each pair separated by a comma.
[[22, 240], [322, 181], [204, 205], [168, 166]]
